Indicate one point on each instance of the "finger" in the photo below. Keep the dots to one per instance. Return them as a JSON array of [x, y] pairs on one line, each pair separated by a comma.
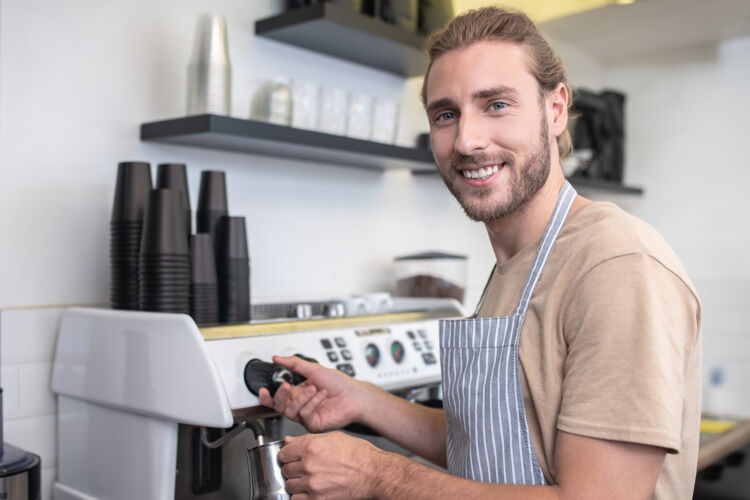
[[312, 404], [299, 398], [265, 397], [296, 486], [304, 368], [291, 451], [281, 397], [293, 470]]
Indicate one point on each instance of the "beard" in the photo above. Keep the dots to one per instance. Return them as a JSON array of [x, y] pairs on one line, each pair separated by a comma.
[[523, 182]]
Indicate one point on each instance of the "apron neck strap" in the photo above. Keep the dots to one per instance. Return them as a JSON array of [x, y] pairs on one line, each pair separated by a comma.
[[554, 226], [562, 207]]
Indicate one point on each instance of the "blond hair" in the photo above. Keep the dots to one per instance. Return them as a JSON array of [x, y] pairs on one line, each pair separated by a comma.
[[495, 23]]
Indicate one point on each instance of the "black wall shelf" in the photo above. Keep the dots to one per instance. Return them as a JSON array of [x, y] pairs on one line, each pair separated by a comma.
[[250, 136], [341, 32]]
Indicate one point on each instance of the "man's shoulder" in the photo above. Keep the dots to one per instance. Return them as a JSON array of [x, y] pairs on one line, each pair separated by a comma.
[[601, 231]]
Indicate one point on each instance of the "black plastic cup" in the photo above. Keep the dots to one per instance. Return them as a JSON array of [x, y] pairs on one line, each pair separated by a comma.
[[208, 222], [212, 196], [161, 294], [232, 239], [233, 266], [155, 265], [203, 260], [181, 284], [131, 191], [174, 176], [212, 204], [204, 303], [165, 298], [166, 259], [163, 226], [169, 308], [130, 205]]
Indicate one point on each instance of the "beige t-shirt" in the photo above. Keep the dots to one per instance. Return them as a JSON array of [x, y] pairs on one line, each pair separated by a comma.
[[611, 344]]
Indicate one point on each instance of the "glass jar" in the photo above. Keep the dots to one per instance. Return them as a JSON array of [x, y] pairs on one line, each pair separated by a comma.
[[431, 274]]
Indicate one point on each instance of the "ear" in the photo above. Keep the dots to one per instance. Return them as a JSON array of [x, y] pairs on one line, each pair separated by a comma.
[[557, 109]]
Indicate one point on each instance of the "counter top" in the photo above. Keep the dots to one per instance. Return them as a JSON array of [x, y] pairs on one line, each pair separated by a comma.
[[716, 446]]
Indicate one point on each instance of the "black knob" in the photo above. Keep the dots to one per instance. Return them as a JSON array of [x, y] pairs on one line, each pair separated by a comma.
[[260, 374]]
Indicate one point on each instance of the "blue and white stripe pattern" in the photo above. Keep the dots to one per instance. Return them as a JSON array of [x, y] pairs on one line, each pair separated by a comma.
[[488, 438]]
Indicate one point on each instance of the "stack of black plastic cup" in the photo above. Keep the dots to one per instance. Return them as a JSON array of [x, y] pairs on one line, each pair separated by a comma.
[[131, 201], [174, 176], [234, 271], [204, 294], [212, 204], [165, 256]]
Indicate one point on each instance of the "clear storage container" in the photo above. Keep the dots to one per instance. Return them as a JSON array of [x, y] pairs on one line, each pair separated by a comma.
[[431, 274]]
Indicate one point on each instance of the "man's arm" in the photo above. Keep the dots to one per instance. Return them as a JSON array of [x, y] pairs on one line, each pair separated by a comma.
[[339, 466], [330, 399], [415, 427]]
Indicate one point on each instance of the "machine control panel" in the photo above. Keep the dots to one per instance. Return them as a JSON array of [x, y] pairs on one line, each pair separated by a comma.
[[394, 356]]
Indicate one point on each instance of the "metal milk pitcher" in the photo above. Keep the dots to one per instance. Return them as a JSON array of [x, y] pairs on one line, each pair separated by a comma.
[[266, 480]]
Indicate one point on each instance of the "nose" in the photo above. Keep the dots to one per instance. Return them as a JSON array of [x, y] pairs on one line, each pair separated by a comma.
[[472, 136]]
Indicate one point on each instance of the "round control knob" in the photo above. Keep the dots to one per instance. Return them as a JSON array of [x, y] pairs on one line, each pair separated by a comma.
[[397, 351], [259, 374], [372, 354]]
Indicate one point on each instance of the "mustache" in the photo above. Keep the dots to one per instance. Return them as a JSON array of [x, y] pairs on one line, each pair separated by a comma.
[[462, 162]]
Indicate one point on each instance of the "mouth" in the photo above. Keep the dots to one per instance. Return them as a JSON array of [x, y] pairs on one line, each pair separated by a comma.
[[481, 173]]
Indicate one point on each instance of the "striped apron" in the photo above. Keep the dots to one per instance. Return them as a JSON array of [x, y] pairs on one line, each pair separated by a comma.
[[487, 436]]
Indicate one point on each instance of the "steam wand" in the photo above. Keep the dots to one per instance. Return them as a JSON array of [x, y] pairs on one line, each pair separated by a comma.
[[252, 424]]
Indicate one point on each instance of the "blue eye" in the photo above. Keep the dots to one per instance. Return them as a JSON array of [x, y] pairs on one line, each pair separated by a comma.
[[445, 116], [497, 106]]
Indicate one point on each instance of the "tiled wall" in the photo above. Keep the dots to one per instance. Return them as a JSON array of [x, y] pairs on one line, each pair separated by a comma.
[[27, 345]]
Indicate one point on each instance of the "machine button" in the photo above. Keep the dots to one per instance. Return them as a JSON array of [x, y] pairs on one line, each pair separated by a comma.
[[346, 368], [411, 334], [417, 346], [332, 356], [429, 358], [422, 333], [340, 342], [372, 354], [346, 354], [428, 344], [326, 343], [397, 351]]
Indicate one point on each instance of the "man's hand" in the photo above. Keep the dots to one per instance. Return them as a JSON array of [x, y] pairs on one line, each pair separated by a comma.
[[328, 399], [336, 465], [332, 465]]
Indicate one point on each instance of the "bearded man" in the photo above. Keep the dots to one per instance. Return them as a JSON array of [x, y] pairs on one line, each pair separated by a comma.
[[578, 377]]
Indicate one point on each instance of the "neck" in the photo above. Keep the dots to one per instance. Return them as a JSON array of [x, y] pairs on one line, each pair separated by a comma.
[[526, 226]]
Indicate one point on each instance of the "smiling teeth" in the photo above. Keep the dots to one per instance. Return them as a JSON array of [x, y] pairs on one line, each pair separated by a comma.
[[482, 173]]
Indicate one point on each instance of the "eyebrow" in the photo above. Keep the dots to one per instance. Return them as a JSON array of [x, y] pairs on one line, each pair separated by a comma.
[[501, 90], [498, 91]]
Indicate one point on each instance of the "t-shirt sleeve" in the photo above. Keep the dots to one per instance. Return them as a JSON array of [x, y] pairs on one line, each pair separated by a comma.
[[631, 325]]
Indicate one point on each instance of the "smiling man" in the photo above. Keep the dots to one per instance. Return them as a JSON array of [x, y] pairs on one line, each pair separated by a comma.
[[578, 377]]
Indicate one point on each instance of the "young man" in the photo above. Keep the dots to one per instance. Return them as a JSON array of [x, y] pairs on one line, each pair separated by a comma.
[[579, 376]]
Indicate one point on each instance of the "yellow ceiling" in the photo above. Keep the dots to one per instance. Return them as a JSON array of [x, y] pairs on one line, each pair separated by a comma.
[[538, 10]]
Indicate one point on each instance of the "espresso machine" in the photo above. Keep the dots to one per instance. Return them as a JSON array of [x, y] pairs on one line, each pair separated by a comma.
[[151, 406]]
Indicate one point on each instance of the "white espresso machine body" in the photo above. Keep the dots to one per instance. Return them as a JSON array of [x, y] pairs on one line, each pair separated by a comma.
[[127, 380]]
